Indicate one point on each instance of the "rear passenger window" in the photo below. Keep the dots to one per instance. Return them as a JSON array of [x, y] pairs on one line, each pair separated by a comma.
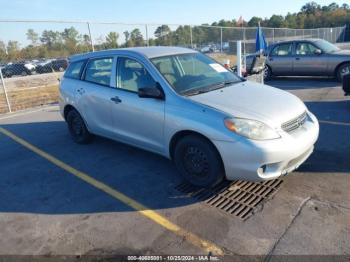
[[74, 69], [283, 50], [99, 71]]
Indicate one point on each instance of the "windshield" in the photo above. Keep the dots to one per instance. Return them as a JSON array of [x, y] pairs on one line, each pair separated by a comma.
[[327, 47], [194, 73]]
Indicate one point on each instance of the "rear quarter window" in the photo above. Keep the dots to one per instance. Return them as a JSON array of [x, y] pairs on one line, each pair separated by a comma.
[[74, 70]]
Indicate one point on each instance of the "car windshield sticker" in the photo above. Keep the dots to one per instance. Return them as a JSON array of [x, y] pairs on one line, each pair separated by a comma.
[[218, 68]]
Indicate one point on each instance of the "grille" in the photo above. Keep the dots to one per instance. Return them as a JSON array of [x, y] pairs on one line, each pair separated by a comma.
[[238, 198], [295, 123]]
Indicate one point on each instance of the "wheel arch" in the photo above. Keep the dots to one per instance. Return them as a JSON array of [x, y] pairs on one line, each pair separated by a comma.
[[335, 73], [67, 109], [183, 133]]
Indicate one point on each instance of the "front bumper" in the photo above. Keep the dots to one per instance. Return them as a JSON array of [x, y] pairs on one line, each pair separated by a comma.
[[263, 160]]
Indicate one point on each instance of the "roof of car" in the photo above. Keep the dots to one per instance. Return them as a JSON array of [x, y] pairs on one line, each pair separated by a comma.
[[149, 52], [298, 40]]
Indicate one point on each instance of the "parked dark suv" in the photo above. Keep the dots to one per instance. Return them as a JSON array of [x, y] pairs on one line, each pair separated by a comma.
[[59, 65], [15, 69]]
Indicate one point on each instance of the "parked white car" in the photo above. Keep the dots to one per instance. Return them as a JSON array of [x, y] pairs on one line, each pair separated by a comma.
[[183, 105]]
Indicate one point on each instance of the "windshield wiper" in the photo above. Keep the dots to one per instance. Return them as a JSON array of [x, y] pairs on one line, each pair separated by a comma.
[[221, 85], [209, 88], [194, 92]]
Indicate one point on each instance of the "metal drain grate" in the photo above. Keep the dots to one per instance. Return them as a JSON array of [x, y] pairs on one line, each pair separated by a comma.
[[239, 198]]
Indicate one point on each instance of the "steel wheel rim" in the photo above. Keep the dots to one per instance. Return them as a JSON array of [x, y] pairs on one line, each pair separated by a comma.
[[345, 71], [196, 162]]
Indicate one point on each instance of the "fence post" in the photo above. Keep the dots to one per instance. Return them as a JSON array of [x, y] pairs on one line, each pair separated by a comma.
[[147, 40], [5, 92], [91, 41], [239, 58], [220, 39], [273, 35], [344, 32], [191, 39], [244, 40]]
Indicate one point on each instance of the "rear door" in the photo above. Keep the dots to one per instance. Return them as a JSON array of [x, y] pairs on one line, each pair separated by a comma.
[[281, 59], [307, 62], [93, 95]]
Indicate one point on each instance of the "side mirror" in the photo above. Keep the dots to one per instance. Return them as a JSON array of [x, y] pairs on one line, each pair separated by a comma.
[[151, 92], [318, 51]]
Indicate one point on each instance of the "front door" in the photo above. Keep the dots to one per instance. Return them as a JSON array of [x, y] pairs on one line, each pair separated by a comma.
[[139, 121], [307, 61]]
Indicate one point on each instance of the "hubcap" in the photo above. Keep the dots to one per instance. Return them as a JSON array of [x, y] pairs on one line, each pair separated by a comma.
[[345, 71], [196, 162]]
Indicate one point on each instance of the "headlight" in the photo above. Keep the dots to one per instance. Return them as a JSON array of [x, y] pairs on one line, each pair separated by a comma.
[[250, 128]]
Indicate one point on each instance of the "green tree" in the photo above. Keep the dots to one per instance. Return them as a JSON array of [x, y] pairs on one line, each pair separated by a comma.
[[254, 21], [136, 38], [13, 49], [163, 34], [112, 40], [3, 51], [50, 38], [32, 36], [291, 21], [70, 36], [310, 8], [276, 21]]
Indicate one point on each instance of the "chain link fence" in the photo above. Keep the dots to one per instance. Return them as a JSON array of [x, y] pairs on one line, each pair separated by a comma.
[[33, 54]]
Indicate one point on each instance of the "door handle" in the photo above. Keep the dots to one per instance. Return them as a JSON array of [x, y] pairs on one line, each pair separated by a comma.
[[270, 58], [116, 100], [297, 58]]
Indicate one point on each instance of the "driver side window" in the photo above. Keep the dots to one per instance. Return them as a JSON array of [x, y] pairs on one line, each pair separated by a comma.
[[131, 75]]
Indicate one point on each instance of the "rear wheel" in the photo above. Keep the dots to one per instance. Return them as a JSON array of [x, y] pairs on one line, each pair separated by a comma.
[[198, 161], [343, 70], [77, 128]]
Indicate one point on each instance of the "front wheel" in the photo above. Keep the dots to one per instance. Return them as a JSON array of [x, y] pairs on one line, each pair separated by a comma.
[[77, 128], [342, 71], [198, 161], [267, 73]]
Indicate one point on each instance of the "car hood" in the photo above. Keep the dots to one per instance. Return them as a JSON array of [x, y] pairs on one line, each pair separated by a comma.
[[342, 52], [254, 101]]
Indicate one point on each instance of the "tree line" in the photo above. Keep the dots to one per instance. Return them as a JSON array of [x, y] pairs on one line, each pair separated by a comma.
[[52, 43]]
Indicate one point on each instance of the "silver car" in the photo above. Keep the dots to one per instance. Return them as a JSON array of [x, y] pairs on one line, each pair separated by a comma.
[[310, 57], [185, 106]]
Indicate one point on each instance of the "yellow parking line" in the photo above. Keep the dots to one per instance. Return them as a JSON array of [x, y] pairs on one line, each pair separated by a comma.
[[147, 212]]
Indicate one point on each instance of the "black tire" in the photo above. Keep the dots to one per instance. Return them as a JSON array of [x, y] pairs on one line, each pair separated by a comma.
[[77, 128], [198, 161], [267, 73], [343, 69]]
